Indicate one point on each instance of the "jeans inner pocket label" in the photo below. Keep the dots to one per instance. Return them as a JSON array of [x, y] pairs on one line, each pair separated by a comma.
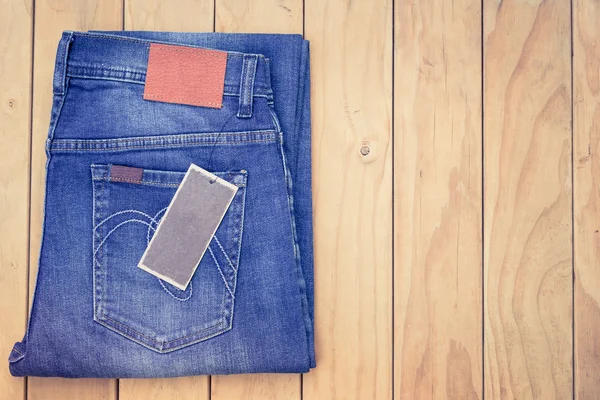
[[187, 227]]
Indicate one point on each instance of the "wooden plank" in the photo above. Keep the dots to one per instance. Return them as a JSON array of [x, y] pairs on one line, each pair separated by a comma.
[[51, 18], [255, 387], [168, 15], [16, 21], [261, 16], [528, 204], [437, 200], [586, 142], [351, 54], [184, 388], [280, 16]]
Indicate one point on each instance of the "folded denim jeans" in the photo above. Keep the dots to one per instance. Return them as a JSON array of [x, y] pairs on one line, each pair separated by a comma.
[[249, 306]]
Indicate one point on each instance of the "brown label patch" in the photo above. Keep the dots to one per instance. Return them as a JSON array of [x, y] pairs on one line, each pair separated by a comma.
[[126, 174], [185, 75]]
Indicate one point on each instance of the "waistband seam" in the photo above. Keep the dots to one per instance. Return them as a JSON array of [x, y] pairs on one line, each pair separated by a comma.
[[161, 141], [147, 43], [91, 71]]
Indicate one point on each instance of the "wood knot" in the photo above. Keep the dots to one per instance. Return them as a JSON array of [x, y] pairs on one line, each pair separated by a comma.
[[367, 151]]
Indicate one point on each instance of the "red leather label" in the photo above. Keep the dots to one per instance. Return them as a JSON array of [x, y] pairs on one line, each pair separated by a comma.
[[185, 75]]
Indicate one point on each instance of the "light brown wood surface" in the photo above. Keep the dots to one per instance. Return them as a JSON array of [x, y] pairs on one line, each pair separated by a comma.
[[458, 259], [351, 51], [586, 170], [16, 22], [437, 193], [527, 200]]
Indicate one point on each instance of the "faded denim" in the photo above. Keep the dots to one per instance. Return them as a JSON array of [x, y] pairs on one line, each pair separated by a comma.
[[249, 306]]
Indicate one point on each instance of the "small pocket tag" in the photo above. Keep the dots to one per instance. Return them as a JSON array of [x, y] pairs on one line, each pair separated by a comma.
[[185, 75], [188, 226]]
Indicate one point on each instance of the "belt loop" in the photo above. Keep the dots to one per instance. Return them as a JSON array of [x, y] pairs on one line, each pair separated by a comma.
[[247, 85], [59, 83]]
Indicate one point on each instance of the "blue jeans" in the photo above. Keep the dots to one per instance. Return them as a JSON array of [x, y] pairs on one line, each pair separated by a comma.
[[249, 306]]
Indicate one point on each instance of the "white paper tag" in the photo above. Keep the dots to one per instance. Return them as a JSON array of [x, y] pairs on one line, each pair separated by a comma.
[[187, 227]]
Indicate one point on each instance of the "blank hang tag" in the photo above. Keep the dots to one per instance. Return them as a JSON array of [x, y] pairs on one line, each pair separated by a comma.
[[188, 226]]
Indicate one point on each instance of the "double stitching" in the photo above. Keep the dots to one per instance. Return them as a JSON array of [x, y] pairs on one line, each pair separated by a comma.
[[108, 318], [60, 66], [194, 50], [147, 42], [163, 141], [195, 101], [247, 86]]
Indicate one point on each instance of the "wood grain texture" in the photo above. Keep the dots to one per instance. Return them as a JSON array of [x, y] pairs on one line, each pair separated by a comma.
[[351, 67], [281, 16], [168, 15], [16, 22], [261, 16], [438, 211], [52, 17], [184, 388], [586, 142], [528, 207], [256, 387]]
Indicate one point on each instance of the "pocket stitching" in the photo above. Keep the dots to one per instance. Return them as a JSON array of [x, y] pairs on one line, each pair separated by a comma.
[[220, 271], [100, 315], [106, 317]]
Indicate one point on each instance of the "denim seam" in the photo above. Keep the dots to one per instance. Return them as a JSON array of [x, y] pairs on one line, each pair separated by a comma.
[[206, 52], [103, 175], [192, 135], [153, 183], [275, 120], [301, 283], [99, 291], [140, 81], [156, 222], [63, 71], [17, 351], [209, 103], [224, 253], [147, 42], [54, 121], [107, 78], [142, 147], [100, 315], [96, 250], [172, 295], [161, 141], [103, 312], [150, 183], [221, 320], [241, 236], [217, 332], [121, 212], [247, 87], [212, 255], [208, 142]]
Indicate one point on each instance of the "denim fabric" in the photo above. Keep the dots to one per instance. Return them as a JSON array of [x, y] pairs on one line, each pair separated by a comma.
[[249, 306]]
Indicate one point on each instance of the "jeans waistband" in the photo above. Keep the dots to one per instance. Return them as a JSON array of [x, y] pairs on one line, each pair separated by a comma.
[[125, 58]]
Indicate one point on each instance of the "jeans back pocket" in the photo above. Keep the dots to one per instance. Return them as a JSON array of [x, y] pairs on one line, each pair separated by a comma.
[[136, 304]]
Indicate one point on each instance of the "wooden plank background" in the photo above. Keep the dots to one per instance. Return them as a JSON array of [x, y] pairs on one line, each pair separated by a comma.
[[459, 259]]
